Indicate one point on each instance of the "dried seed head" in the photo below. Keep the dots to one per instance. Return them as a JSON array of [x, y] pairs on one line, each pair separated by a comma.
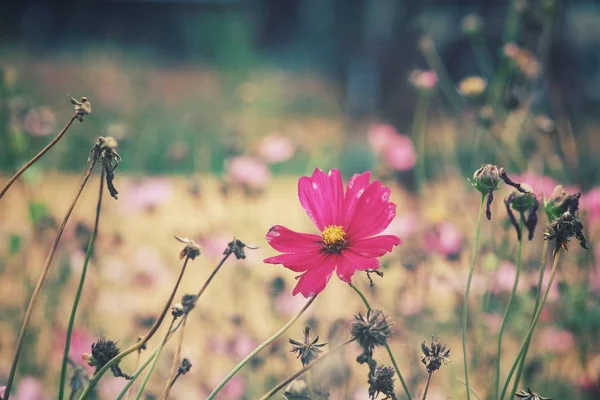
[[560, 202], [526, 204], [185, 366], [308, 349], [563, 229], [177, 310], [297, 390], [104, 151], [236, 247], [189, 302], [103, 351], [434, 355], [372, 330], [529, 395], [82, 108], [381, 381], [191, 249]]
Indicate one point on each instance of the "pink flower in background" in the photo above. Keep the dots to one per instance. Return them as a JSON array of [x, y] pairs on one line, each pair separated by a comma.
[[288, 305], [31, 388], [555, 340], [275, 149], [411, 305], [403, 225], [2, 390], [81, 342], [110, 388], [446, 239], [590, 202], [396, 150], [147, 194], [348, 223], [40, 121], [504, 278], [594, 277], [213, 245], [149, 268], [234, 389], [242, 345], [423, 79], [248, 171], [493, 322], [541, 185]]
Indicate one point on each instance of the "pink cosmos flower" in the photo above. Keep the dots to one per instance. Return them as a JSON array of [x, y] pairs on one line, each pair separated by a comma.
[[147, 194], [423, 79], [505, 278], [348, 223], [275, 149], [555, 340], [40, 121], [446, 239], [396, 150], [590, 202], [248, 171], [81, 342]]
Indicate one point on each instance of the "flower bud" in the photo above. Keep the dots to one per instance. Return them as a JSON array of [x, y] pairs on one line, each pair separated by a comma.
[[177, 310], [560, 202]]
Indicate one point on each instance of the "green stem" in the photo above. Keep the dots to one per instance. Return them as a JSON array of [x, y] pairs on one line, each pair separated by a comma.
[[156, 357], [259, 348], [387, 346], [284, 383], [507, 310], [88, 255], [466, 299], [536, 318], [535, 308], [419, 129]]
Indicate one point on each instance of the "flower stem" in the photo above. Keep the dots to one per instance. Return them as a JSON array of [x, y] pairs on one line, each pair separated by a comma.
[[259, 348], [156, 357], [88, 255], [466, 299], [287, 381], [419, 129], [507, 310], [427, 385], [96, 377], [175, 365], [387, 346], [536, 318], [137, 365], [35, 158], [40, 282], [212, 275]]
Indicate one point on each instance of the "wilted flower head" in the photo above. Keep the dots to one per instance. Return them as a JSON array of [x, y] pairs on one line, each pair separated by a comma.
[[434, 355], [487, 179], [564, 228], [560, 202], [472, 86], [105, 151], [372, 330], [237, 248], [188, 301], [184, 367], [103, 351], [523, 203], [191, 249], [529, 395], [308, 349], [348, 223], [423, 80], [82, 108], [297, 390], [381, 381]]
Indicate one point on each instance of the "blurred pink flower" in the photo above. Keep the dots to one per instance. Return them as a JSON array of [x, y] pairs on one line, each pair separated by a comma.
[[423, 79], [504, 278], [275, 149], [81, 342], [31, 388], [248, 171], [149, 268], [541, 185], [590, 202], [459, 282], [403, 225], [287, 305], [493, 322], [234, 389], [214, 244], [218, 344], [411, 305], [361, 394], [2, 390], [40, 121], [242, 345], [147, 194], [395, 149], [594, 277], [110, 387], [555, 340], [445, 239]]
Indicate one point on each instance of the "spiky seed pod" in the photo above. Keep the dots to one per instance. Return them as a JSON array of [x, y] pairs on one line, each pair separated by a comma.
[[308, 349], [529, 395], [372, 330], [434, 355]]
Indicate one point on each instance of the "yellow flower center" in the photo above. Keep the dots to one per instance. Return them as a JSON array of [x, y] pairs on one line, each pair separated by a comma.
[[334, 238]]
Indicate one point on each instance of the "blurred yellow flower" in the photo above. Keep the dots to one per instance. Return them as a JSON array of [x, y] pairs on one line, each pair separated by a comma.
[[472, 86]]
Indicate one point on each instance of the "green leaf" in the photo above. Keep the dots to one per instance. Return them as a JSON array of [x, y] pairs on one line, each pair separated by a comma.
[[14, 243]]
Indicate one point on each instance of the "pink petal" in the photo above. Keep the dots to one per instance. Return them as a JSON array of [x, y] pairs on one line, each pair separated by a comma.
[[349, 262], [314, 280], [321, 196], [354, 190], [297, 262], [373, 212], [288, 241], [375, 246]]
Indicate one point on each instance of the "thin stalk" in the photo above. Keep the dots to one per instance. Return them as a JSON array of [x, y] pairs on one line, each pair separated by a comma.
[[40, 282], [259, 348], [96, 377], [387, 346], [419, 129], [35, 158], [137, 365], [88, 255], [535, 308], [287, 381], [156, 357], [212, 275], [427, 385], [507, 310], [466, 299], [536, 318], [175, 365]]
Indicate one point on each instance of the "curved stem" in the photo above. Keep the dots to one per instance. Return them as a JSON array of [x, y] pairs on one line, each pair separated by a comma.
[[284, 383], [156, 357], [466, 299], [536, 318], [507, 310], [387, 346], [427, 385], [259, 348], [175, 365], [88, 255], [212, 275], [40, 282], [535, 308], [137, 365], [96, 377], [36, 157]]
